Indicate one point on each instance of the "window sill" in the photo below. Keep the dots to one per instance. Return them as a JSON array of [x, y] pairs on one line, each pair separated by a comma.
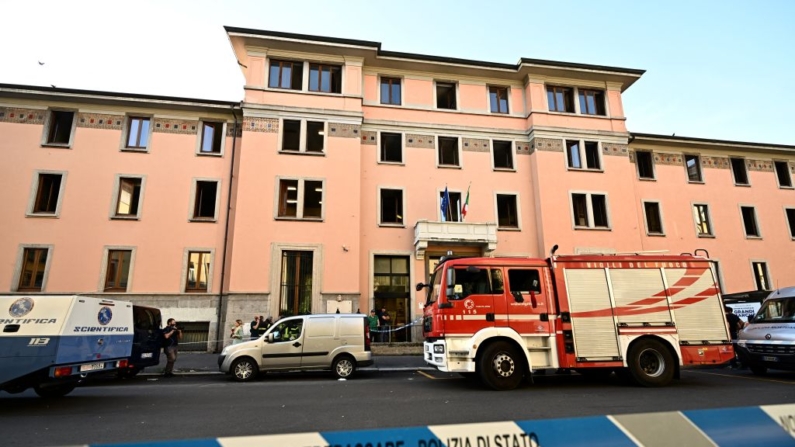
[[312, 154], [743, 185], [594, 228], [753, 238], [509, 229], [499, 113], [125, 218], [300, 91], [203, 219], [786, 187], [586, 170], [504, 169], [209, 154], [57, 145], [655, 234], [391, 225], [694, 182], [557, 112], [43, 215], [195, 291], [389, 105], [707, 236], [442, 109], [392, 163], [140, 150], [114, 291], [300, 219], [647, 179], [448, 167]]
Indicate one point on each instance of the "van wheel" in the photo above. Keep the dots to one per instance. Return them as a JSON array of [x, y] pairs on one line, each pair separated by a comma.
[[759, 370], [500, 366], [244, 370], [51, 392], [651, 364], [343, 367]]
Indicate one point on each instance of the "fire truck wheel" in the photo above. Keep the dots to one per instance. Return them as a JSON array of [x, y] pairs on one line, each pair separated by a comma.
[[651, 364], [501, 367]]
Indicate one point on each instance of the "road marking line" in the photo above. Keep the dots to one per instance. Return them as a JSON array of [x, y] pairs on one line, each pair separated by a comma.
[[437, 378], [743, 377]]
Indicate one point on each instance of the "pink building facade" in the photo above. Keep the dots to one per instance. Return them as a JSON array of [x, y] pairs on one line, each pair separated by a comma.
[[329, 183]]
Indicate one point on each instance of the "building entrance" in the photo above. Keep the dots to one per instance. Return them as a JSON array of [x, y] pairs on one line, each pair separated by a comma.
[[391, 292]]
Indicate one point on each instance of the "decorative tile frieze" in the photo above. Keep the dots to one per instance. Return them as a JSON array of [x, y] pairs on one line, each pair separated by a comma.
[[632, 157], [475, 145], [22, 116], [759, 165], [715, 162], [421, 141], [230, 130], [176, 126], [791, 167], [369, 137], [524, 148], [268, 125], [662, 158], [100, 121], [548, 144], [621, 150], [344, 130]]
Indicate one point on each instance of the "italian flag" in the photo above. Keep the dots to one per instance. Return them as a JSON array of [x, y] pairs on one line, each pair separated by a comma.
[[465, 206]]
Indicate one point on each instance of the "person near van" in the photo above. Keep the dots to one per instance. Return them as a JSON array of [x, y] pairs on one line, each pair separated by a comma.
[[384, 321], [264, 325], [171, 335], [255, 327], [735, 324], [373, 321], [237, 332]]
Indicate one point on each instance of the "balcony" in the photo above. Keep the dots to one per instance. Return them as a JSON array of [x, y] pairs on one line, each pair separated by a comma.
[[459, 233]]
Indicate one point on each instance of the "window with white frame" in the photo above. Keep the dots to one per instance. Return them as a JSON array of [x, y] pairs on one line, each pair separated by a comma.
[[503, 154], [205, 200], [138, 133], [391, 91], [128, 197], [453, 211], [212, 138], [325, 78], [59, 128], [49, 187], [702, 220], [446, 95], [560, 99], [300, 199], [391, 206], [498, 99], [653, 215], [507, 211], [782, 174], [750, 224], [391, 148], [117, 271], [303, 136], [738, 171], [589, 210], [592, 102], [693, 167], [198, 271], [34, 266], [285, 74], [761, 276], [448, 151], [583, 154]]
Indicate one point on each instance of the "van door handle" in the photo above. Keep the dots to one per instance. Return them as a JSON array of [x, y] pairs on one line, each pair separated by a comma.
[[296, 344]]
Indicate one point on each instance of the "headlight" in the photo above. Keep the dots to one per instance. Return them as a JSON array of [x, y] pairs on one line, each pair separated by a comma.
[[225, 351], [438, 349]]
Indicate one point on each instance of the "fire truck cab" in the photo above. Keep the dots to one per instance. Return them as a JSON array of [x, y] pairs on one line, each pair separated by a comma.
[[642, 316]]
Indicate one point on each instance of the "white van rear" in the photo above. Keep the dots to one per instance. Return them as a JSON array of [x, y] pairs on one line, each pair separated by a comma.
[[339, 342], [768, 341]]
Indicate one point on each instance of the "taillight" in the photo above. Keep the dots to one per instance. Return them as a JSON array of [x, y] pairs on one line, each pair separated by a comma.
[[122, 364], [63, 371], [367, 337]]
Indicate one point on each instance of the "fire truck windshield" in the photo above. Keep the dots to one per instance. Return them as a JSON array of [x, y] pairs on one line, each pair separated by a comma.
[[435, 289]]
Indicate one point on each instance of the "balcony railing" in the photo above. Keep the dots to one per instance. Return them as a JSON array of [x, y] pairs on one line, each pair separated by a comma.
[[462, 233]]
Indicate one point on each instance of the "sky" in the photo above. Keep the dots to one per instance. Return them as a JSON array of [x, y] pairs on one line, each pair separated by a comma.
[[714, 69]]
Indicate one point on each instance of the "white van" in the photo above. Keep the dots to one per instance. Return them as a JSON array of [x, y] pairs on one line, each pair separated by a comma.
[[339, 342], [768, 341]]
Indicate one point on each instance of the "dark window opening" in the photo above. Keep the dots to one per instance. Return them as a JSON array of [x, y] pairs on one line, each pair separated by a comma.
[[291, 135], [129, 197], [206, 193], [390, 91], [296, 284], [560, 99], [645, 163], [313, 199], [782, 173], [693, 164], [315, 136], [31, 279], [791, 221], [592, 155], [60, 127], [592, 102], [524, 281], [448, 151], [445, 96], [391, 147], [739, 171], [580, 208], [749, 221], [391, 206], [47, 193], [288, 198], [325, 78], [507, 216], [498, 99], [286, 74], [653, 218], [503, 154], [599, 205]]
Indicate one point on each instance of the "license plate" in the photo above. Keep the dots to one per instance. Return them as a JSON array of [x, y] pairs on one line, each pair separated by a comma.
[[768, 358], [92, 367], [146, 355]]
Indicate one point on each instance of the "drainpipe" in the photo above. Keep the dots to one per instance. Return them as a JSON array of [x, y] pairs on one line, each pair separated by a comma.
[[221, 302]]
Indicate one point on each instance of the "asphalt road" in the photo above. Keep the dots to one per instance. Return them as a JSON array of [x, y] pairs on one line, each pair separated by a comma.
[[209, 406]]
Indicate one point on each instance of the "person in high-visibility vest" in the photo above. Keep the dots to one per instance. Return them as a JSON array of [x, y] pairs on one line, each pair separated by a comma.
[[264, 325]]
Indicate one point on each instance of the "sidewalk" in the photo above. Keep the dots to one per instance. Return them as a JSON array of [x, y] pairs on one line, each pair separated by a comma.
[[204, 363]]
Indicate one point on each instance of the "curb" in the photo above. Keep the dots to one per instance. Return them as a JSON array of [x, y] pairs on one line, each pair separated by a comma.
[[366, 369]]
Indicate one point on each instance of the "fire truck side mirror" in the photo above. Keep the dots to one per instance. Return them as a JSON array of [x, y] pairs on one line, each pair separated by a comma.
[[421, 286]]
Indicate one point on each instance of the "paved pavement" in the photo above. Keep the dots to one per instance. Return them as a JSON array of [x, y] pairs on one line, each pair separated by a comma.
[[203, 363]]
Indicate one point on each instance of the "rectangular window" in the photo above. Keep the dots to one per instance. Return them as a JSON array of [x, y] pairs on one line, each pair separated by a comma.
[[390, 91], [592, 102], [577, 151], [291, 135], [503, 154], [198, 270], [204, 204], [212, 137], [782, 174], [749, 221], [31, 278], [453, 213], [761, 277], [391, 147], [560, 99], [701, 218], [129, 196], [791, 221], [308, 193], [589, 210], [137, 133], [645, 163], [445, 96], [507, 211], [392, 206], [325, 78], [286, 74], [47, 193], [693, 165], [60, 131], [653, 218], [448, 151], [315, 136], [118, 270], [296, 283], [498, 99], [738, 169]]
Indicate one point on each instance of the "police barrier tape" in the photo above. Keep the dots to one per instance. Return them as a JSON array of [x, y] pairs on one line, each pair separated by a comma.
[[768, 425], [399, 328]]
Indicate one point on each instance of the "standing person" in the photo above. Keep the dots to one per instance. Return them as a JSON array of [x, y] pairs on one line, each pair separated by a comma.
[[237, 332], [735, 324], [385, 321], [171, 335], [264, 325], [255, 327], [373, 320]]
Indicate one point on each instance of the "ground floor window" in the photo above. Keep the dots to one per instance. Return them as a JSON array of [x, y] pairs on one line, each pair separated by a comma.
[[296, 283]]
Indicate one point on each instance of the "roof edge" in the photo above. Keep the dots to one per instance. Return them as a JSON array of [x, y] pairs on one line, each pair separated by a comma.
[[284, 35], [694, 140]]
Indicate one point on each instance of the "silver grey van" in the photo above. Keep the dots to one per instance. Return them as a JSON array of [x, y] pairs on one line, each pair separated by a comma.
[[768, 341], [339, 342]]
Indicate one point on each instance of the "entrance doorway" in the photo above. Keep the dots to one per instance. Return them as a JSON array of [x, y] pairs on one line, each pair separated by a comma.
[[296, 283], [391, 291]]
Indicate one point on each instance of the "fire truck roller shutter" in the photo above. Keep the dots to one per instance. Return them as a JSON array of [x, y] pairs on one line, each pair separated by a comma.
[[640, 298], [697, 308], [594, 329]]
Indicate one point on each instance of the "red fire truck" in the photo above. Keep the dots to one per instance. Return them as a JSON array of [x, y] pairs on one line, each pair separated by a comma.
[[642, 316]]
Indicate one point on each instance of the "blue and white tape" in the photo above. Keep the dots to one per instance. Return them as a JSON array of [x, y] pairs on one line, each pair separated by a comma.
[[769, 426]]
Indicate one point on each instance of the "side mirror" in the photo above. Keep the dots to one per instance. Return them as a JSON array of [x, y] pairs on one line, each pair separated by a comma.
[[271, 337], [421, 286]]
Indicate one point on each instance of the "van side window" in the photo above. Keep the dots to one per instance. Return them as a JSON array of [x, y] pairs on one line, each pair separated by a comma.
[[288, 330], [524, 281]]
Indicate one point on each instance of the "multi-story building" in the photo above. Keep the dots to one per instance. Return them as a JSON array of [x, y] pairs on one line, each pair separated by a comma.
[[355, 169]]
